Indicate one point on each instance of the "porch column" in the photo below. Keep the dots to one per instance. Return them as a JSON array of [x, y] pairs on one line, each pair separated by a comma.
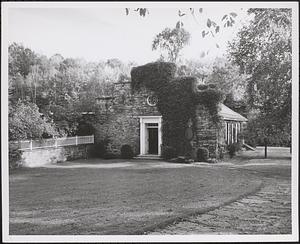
[[142, 136], [159, 136]]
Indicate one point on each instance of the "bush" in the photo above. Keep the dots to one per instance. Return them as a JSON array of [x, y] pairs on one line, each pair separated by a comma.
[[221, 151], [25, 122], [202, 154], [109, 156], [232, 149], [14, 156], [126, 152], [168, 152], [212, 160], [98, 150]]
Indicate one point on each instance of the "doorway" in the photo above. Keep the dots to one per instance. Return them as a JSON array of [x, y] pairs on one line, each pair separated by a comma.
[[152, 140], [150, 135]]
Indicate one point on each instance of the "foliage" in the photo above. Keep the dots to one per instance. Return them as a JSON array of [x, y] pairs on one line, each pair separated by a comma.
[[202, 154], [62, 88], [177, 100], [263, 51], [26, 122], [168, 152], [126, 152], [195, 68], [14, 155], [213, 26], [152, 75], [98, 149], [212, 160], [210, 98], [228, 79], [255, 136], [172, 41], [20, 60], [232, 149]]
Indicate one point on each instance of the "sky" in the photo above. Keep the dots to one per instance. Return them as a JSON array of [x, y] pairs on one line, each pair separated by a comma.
[[100, 33]]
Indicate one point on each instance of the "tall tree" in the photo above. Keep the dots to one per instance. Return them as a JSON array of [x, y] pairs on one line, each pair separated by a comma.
[[172, 42], [263, 50]]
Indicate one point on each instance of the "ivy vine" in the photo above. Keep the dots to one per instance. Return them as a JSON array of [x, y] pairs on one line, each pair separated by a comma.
[[178, 98]]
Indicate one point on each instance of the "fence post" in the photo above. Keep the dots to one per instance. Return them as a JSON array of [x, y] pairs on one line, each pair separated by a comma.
[[55, 143], [30, 144], [76, 140]]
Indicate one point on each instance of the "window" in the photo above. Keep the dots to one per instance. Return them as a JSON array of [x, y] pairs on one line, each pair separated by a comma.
[[152, 100]]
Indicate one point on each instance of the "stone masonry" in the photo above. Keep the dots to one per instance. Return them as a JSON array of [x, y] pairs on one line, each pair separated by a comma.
[[118, 122]]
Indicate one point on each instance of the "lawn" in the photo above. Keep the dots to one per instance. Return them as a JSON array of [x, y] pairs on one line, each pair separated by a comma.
[[117, 200]]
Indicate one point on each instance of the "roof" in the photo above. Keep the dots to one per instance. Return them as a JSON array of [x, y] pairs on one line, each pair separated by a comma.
[[229, 114]]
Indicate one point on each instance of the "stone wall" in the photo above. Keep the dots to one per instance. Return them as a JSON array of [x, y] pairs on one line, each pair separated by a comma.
[[207, 133], [44, 156], [118, 122], [118, 119]]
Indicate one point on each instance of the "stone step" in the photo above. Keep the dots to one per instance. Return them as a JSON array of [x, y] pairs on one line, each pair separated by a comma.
[[149, 156]]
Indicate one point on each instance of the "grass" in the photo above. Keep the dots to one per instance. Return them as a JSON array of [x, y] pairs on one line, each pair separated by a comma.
[[121, 200]]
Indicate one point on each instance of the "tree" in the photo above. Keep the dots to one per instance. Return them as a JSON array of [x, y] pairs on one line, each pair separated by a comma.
[[20, 61], [172, 41], [26, 122], [262, 50], [213, 27]]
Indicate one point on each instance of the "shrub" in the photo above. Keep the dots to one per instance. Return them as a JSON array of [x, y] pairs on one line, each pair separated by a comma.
[[14, 156], [221, 151], [212, 160], [169, 152], [98, 150], [126, 152], [25, 121], [202, 154], [232, 149], [109, 156]]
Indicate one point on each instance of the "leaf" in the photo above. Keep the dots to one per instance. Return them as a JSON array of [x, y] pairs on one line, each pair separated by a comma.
[[200, 10], [192, 10], [136, 9], [217, 29], [233, 14], [224, 17], [217, 46], [208, 23], [142, 12], [203, 34], [180, 13], [212, 33], [127, 11], [179, 24]]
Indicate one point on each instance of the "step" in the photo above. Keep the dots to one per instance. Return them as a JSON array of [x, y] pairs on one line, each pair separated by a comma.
[[149, 156]]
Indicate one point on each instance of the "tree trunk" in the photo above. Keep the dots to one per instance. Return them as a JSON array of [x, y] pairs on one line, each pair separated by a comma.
[[266, 146]]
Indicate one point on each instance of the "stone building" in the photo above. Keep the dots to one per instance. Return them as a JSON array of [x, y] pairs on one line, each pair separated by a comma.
[[127, 116]]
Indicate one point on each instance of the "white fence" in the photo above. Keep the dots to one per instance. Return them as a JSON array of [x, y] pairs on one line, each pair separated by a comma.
[[55, 142]]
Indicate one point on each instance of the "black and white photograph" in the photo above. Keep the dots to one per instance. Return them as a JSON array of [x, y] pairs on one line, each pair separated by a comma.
[[149, 121]]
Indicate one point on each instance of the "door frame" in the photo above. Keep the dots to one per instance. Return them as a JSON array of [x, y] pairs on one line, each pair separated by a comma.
[[143, 132]]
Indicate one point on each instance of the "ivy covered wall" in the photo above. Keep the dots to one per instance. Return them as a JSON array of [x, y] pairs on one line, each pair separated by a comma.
[[182, 103]]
